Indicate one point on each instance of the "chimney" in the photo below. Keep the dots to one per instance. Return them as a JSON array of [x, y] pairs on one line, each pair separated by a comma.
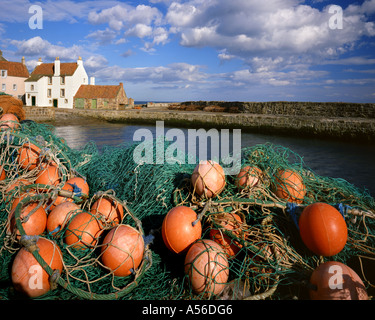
[[57, 67], [39, 62], [79, 61], [92, 81], [23, 60]]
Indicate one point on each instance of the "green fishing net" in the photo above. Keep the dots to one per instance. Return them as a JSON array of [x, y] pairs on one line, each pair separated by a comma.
[[266, 259]]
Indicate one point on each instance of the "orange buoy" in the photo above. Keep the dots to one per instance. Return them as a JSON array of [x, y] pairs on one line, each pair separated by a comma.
[[33, 219], [289, 186], [18, 183], [83, 231], [248, 177], [28, 156], [49, 175], [334, 280], [29, 193], [207, 267], [208, 179], [122, 250], [60, 215], [9, 121], [2, 173], [180, 228], [28, 276], [79, 185], [323, 229], [111, 210], [61, 199], [227, 222]]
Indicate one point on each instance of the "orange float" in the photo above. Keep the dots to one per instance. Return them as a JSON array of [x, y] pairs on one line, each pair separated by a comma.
[[2, 173], [208, 179], [19, 183], [28, 276], [62, 199], [83, 231], [178, 231], [79, 185], [334, 280], [49, 175], [323, 229], [207, 267], [227, 222], [289, 186], [122, 250], [60, 215], [248, 177], [33, 219], [110, 209], [29, 193], [9, 121], [28, 156]]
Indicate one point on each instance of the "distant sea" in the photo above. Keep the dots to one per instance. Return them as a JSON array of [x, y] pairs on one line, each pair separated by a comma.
[[145, 102]]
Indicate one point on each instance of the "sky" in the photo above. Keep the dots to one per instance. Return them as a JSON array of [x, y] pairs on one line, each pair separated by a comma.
[[182, 50]]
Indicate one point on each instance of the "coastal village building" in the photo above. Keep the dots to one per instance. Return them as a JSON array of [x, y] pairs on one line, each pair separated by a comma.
[[12, 77], [55, 84], [102, 97]]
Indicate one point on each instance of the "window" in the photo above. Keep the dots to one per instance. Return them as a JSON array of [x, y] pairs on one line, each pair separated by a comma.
[[49, 80], [3, 73], [62, 93], [49, 93], [15, 87], [32, 87], [3, 87], [62, 80]]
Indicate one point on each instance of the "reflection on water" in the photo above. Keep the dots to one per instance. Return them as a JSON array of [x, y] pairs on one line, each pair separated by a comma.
[[351, 161]]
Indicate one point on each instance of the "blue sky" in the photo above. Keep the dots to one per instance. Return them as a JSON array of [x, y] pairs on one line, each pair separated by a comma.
[[165, 50]]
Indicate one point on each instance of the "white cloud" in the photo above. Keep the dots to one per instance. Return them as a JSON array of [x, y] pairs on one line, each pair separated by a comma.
[[163, 75], [124, 15], [37, 46], [140, 30], [247, 29], [65, 10], [103, 36]]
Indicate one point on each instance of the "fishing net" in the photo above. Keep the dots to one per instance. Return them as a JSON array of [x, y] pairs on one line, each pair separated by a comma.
[[255, 224]]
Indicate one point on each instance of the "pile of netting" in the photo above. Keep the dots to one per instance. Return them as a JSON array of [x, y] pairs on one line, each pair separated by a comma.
[[270, 260]]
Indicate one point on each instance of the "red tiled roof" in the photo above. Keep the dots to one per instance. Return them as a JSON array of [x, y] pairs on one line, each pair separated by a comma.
[[48, 69], [15, 69], [97, 91]]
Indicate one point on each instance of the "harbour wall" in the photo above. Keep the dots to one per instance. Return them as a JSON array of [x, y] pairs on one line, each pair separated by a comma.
[[325, 120]]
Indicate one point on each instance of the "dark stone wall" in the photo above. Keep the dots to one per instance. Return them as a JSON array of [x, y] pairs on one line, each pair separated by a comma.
[[310, 109]]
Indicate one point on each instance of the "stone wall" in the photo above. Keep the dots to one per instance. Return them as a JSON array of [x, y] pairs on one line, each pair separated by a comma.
[[311, 109], [40, 114], [342, 128]]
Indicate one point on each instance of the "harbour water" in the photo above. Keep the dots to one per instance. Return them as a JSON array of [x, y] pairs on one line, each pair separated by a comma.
[[352, 161]]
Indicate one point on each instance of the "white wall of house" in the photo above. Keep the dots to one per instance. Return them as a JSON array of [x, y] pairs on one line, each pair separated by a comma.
[[56, 90]]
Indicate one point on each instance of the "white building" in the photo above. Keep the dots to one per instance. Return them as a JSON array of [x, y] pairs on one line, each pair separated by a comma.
[[55, 84]]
